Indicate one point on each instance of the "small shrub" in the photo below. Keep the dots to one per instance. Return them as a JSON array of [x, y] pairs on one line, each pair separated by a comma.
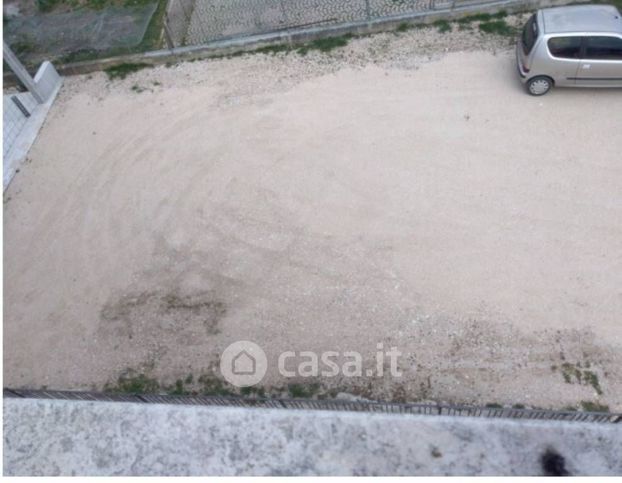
[[591, 379], [47, 5], [325, 45], [497, 27], [442, 26], [132, 383], [302, 392], [272, 49], [212, 386], [483, 17], [121, 71], [178, 390], [594, 407]]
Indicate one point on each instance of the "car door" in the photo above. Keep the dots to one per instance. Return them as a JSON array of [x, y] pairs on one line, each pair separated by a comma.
[[601, 65], [564, 58]]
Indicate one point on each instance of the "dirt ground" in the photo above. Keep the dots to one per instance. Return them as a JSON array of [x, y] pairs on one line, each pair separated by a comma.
[[393, 191]]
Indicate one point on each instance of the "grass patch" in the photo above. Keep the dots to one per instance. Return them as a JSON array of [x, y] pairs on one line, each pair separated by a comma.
[[47, 6], [442, 26], [406, 26], [497, 27], [22, 47], [300, 391], [569, 372], [325, 45], [593, 407], [178, 390], [212, 386], [132, 383], [273, 49], [253, 391], [121, 71], [591, 379], [483, 17], [575, 373]]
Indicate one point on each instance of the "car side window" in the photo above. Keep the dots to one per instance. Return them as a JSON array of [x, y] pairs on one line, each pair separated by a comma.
[[565, 47], [603, 48]]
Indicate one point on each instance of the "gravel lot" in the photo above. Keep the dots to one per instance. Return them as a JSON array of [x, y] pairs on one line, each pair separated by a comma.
[[396, 191]]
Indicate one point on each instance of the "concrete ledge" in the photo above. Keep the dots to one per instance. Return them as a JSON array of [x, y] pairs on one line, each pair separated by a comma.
[[346, 404], [54, 437]]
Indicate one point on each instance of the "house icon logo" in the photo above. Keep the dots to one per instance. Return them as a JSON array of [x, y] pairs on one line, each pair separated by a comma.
[[243, 363]]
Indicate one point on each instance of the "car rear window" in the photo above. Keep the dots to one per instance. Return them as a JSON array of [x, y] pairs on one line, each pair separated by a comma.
[[565, 47], [530, 34]]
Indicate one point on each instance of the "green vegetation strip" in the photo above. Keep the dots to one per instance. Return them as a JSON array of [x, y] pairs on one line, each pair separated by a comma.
[[121, 71], [134, 382]]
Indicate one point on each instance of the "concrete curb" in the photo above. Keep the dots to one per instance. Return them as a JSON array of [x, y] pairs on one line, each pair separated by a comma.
[[356, 405]]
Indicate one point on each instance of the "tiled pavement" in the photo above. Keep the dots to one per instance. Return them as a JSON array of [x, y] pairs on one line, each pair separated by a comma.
[[211, 20]]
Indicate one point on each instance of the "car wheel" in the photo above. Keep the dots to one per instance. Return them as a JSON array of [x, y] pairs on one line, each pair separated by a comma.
[[540, 85]]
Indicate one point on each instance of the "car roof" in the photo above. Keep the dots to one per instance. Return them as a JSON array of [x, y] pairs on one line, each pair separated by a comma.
[[582, 18]]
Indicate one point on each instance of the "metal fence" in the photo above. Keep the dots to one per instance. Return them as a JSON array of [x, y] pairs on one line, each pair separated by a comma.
[[196, 22], [324, 404], [43, 35]]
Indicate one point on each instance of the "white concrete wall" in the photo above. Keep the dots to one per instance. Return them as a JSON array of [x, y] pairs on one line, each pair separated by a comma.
[[56, 437]]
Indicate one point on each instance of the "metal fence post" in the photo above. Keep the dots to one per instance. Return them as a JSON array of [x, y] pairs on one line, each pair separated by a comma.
[[22, 74], [367, 10], [167, 33]]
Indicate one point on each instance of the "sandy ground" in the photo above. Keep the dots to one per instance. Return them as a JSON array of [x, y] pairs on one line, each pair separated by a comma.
[[390, 192]]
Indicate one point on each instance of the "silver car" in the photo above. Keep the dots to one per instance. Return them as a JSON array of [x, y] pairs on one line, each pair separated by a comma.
[[577, 45]]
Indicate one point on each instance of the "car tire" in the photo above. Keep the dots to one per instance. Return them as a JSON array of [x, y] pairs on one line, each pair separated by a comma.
[[539, 85]]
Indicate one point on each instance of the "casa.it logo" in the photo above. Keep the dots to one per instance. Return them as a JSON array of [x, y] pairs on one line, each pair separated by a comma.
[[244, 364]]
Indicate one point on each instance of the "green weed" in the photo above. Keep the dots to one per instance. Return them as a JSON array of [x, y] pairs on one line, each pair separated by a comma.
[[593, 407], [442, 26], [132, 383], [121, 71], [497, 27], [325, 45]]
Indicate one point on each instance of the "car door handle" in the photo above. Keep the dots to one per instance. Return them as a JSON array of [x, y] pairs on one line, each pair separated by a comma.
[[586, 66]]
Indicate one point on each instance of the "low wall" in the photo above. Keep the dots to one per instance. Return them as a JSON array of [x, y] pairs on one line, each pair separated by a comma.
[[47, 80]]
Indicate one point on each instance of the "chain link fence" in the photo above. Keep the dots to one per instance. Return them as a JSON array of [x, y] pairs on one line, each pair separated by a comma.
[[323, 404], [35, 38], [196, 22]]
